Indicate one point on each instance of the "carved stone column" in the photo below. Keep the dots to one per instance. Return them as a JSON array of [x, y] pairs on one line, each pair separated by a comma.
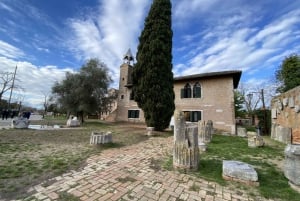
[[186, 150]]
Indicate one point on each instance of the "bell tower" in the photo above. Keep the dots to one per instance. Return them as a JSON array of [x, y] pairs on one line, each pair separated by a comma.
[[125, 86]]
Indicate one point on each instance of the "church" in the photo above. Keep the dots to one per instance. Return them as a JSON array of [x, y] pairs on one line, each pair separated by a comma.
[[205, 96]]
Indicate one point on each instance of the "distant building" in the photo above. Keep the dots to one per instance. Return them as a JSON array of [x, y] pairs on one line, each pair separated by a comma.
[[206, 96]]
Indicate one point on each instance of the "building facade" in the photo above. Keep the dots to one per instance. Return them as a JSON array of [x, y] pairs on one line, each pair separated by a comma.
[[207, 96]]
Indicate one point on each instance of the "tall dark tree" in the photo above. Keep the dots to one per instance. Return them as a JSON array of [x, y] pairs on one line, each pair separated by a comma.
[[81, 93], [152, 74], [288, 73]]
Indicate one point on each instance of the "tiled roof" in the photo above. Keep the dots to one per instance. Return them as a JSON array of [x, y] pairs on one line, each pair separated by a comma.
[[235, 74]]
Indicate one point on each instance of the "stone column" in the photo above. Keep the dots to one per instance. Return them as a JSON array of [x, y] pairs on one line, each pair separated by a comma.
[[186, 151]]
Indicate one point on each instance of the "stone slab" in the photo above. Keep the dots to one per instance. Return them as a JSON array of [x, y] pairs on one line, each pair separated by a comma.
[[292, 163], [240, 171]]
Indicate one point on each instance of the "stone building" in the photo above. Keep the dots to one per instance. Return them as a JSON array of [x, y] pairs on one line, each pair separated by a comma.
[[286, 117], [206, 96]]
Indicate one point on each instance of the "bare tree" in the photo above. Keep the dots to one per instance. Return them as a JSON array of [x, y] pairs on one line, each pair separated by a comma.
[[46, 102], [6, 79]]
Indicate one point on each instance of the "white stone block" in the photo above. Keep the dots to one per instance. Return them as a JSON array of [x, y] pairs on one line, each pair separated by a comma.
[[239, 170]]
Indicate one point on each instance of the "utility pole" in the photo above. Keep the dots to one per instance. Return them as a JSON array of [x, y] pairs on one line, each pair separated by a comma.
[[12, 86], [265, 112]]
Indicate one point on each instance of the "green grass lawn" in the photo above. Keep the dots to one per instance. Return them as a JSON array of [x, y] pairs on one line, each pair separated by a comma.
[[266, 160]]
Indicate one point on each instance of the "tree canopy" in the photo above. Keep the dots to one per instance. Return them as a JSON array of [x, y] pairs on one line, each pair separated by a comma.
[[152, 74], [82, 93], [288, 73]]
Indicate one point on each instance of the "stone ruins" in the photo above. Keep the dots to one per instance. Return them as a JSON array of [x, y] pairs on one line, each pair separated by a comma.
[[292, 165], [186, 150], [205, 132], [255, 140], [240, 172], [286, 128], [100, 138], [286, 117], [73, 122], [20, 122]]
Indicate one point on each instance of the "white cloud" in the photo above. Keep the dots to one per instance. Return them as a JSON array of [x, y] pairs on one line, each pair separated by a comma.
[[108, 33], [10, 51], [35, 80]]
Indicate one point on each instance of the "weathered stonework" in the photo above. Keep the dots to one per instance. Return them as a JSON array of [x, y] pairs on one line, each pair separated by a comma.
[[205, 131], [241, 132], [292, 164], [254, 140], [240, 172], [286, 117], [100, 138], [20, 123], [186, 150]]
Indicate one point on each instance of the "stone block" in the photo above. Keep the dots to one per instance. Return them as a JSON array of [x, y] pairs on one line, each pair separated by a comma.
[[100, 138], [20, 123], [255, 140], [274, 113], [241, 132], [239, 171], [285, 101], [150, 131], [292, 164], [73, 122], [291, 102]]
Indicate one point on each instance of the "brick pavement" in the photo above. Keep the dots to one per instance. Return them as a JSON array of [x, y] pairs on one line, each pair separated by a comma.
[[129, 173]]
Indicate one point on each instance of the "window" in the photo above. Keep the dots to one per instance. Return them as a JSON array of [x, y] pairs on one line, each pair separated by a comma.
[[133, 113], [192, 116], [197, 90], [122, 96], [186, 92]]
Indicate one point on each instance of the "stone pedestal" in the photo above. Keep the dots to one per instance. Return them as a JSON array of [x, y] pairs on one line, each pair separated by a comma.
[[20, 122], [255, 140], [150, 131], [292, 164], [241, 132], [100, 138], [186, 150]]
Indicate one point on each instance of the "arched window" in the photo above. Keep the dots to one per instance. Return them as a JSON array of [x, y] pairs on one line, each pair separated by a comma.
[[197, 90], [186, 92]]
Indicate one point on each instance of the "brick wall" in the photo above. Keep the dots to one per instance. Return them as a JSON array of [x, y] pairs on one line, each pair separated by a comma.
[[286, 116], [216, 102]]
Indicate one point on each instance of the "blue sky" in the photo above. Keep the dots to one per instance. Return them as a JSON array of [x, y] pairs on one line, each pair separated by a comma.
[[46, 38]]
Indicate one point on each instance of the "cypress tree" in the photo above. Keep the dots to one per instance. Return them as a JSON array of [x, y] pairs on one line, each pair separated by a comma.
[[152, 74]]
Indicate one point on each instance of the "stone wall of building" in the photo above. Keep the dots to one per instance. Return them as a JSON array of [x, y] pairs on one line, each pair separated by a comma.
[[286, 117], [216, 102]]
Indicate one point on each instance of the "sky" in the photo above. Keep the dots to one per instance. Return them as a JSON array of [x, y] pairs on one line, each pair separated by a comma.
[[47, 38]]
